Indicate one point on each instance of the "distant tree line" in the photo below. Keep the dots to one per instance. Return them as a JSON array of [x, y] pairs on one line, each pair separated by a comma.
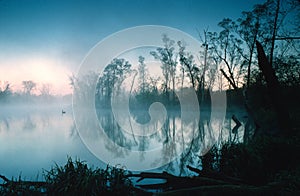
[[31, 92]]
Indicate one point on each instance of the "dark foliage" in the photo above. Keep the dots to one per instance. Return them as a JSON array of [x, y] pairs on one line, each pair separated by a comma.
[[263, 160], [75, 178]]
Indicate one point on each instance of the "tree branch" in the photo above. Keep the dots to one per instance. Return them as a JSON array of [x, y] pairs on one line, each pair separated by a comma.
[[229, 80]]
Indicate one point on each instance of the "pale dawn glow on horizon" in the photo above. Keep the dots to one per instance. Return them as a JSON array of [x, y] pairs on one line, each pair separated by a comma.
[[46, 41], [39, 69]]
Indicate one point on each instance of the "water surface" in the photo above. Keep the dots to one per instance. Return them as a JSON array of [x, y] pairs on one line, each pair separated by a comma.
[[33, 138]]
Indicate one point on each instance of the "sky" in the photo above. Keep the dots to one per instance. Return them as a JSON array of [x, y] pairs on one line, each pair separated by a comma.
[[46, 40]]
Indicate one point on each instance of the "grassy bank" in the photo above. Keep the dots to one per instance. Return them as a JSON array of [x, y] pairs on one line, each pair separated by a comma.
[[74, 178]]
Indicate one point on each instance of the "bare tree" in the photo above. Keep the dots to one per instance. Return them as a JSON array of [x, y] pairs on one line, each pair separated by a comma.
[[45, 90], [168, 58], [226, 47], [188, 64], [143, 75], [28, 86]]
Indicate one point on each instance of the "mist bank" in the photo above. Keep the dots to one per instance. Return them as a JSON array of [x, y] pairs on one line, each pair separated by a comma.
[[19, 100]]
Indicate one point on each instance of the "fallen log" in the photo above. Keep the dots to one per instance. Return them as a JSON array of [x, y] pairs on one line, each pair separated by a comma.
[[175, 185], [4, 178], [228, 189], [142, 175], [216, 175], [175, 182]]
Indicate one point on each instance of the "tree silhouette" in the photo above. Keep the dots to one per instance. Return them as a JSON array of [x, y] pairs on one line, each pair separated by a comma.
[[166, 55], [45, 90], [188, 64], [111, 79], [143, 75], [226, 46], [28, 86], [5, 91]]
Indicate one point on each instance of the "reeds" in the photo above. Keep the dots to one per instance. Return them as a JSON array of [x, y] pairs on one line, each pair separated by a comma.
[[74, 178]]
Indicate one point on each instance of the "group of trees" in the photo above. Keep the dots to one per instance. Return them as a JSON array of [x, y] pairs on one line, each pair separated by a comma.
[[228, 58], [177, 66], [30, 90], [272, 24]]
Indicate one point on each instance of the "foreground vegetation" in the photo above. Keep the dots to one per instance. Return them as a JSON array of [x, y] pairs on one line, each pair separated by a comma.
[[75, 178], [265, 165]]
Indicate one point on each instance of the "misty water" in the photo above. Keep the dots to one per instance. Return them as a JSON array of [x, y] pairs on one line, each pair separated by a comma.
[[34, 138]]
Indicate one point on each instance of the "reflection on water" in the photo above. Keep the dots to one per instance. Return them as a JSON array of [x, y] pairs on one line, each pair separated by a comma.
[[35, 139], [186, 141]]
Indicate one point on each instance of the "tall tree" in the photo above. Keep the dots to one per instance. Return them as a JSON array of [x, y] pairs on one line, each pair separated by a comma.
[[188, 64], [84, 86], [112, 78], [247, 28], [279, 19], [168, 58], [226, 47], [143, 75]]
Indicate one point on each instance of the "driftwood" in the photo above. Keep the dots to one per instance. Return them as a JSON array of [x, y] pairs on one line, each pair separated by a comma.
[[237, 124], [4, 178], [228, 189], [172, 182], [216, 175], [143, 175], [207, 183]]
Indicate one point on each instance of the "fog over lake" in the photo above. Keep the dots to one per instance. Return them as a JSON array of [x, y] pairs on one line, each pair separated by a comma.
[[35, 137]]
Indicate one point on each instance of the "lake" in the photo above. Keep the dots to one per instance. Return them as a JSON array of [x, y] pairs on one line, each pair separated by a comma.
[[33, 138]]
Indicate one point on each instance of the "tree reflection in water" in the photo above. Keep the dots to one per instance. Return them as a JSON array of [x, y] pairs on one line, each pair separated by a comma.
[[194, 139]]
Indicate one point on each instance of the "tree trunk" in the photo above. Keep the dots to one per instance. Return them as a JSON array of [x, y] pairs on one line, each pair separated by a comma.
[[273, 88]]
